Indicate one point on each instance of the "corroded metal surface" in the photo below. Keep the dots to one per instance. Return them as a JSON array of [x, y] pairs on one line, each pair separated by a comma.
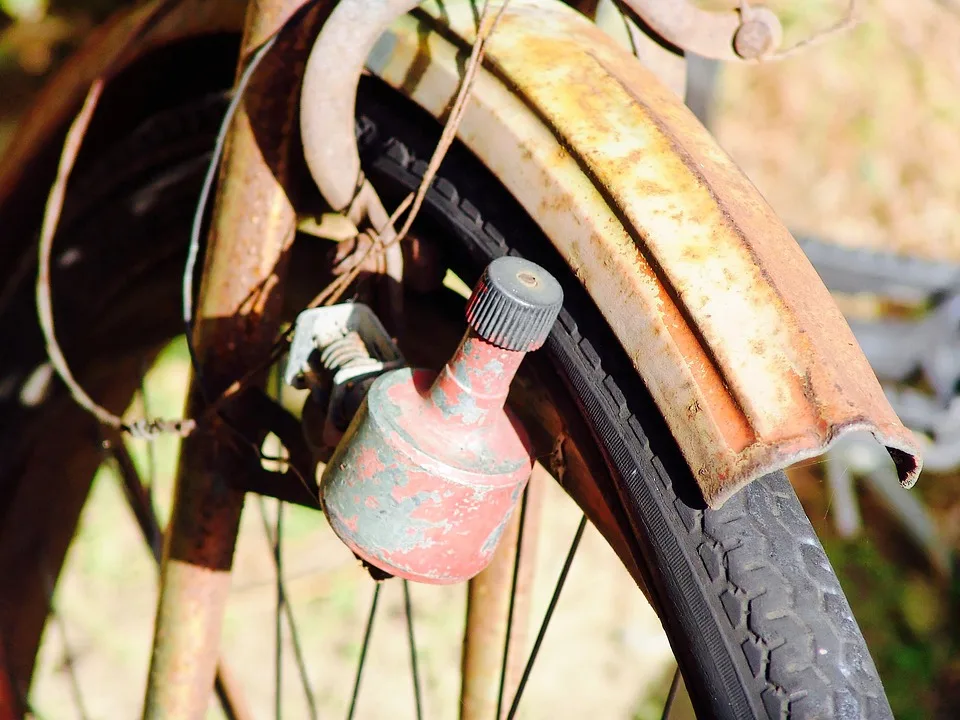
[[666, 61], [490, 598], [334, 67], [238, 317], [739, 342], [720, 35], [430, 469]]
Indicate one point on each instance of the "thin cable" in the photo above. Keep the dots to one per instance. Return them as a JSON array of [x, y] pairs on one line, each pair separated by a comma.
[[449, 134], [51, 217], [408, 609], [48, 229], [513, 597], [193, 249], [546, 618], [671, 695], [363, 651]]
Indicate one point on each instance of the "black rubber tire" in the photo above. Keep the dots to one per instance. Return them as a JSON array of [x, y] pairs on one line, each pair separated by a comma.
[[755, 614]]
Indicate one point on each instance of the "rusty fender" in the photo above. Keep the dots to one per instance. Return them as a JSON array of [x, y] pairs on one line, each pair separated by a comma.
[[722, 315]]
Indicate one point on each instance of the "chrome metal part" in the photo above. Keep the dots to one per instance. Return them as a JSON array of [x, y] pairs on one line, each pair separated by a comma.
[[863, 270], [856, 456], [320, 328], [897, 349]]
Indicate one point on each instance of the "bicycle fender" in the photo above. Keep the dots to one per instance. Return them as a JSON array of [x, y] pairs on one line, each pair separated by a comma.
[[728, 324]]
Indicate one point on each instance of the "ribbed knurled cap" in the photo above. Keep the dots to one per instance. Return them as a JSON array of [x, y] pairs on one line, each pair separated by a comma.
[[515, 304]]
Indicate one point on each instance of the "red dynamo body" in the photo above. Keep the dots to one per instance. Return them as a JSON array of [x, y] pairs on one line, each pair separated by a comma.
[[431, 468]]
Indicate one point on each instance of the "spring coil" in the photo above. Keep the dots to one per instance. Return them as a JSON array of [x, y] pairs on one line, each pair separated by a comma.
[[344, 352]]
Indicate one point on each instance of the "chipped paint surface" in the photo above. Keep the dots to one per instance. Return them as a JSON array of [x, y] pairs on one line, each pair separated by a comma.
[[431, 467], [733, 332]]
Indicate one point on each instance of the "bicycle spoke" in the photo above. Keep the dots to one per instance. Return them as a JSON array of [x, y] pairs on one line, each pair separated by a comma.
[[68, 656], [69, 662], [513, 597], [278, 627], [281, 595], [284, 604], [408, 609], [672, 694], [363, 651], [137, 494], [546, 618]]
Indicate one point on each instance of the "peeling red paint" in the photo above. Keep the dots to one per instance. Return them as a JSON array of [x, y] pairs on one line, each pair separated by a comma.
[[438, 462]]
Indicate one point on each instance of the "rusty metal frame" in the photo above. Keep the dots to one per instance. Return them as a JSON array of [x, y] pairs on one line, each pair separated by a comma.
[[238, 317], [726, 321]]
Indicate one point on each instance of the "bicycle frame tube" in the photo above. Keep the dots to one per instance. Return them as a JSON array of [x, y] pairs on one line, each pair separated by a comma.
[[252, 228], [726, 321]]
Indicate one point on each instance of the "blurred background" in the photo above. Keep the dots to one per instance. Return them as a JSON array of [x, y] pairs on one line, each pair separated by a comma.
[[856, 143]]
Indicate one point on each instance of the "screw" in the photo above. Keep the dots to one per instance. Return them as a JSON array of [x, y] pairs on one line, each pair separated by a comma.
[[528, 279], [753, 39]]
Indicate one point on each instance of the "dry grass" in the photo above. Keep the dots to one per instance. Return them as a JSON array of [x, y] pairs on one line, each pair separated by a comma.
[[857, 139]]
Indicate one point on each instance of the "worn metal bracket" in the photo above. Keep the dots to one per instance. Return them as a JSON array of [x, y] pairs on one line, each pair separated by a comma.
[[320, 328]]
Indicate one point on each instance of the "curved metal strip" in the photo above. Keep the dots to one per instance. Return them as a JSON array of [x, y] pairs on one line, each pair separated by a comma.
[[724, 318], [330, 93]]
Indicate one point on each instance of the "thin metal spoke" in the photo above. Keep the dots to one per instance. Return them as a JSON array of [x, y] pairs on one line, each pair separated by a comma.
[[137, 495], [69, 659], [278, 627], [408, 609], [69, 662], [546, 618], [283, 602], [672, 695], [513, 597], [363, 651]]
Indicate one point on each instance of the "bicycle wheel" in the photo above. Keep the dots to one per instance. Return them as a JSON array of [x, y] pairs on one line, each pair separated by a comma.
[[755, 615]]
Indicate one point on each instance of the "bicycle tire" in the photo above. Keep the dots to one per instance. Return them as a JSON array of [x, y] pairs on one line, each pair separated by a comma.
[[754, 612]]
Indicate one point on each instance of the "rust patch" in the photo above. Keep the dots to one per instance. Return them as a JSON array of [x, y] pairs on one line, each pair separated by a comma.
[[706, 290]]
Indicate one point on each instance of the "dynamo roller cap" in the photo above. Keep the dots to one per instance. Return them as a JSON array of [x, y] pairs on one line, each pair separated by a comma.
[[514, 304]]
